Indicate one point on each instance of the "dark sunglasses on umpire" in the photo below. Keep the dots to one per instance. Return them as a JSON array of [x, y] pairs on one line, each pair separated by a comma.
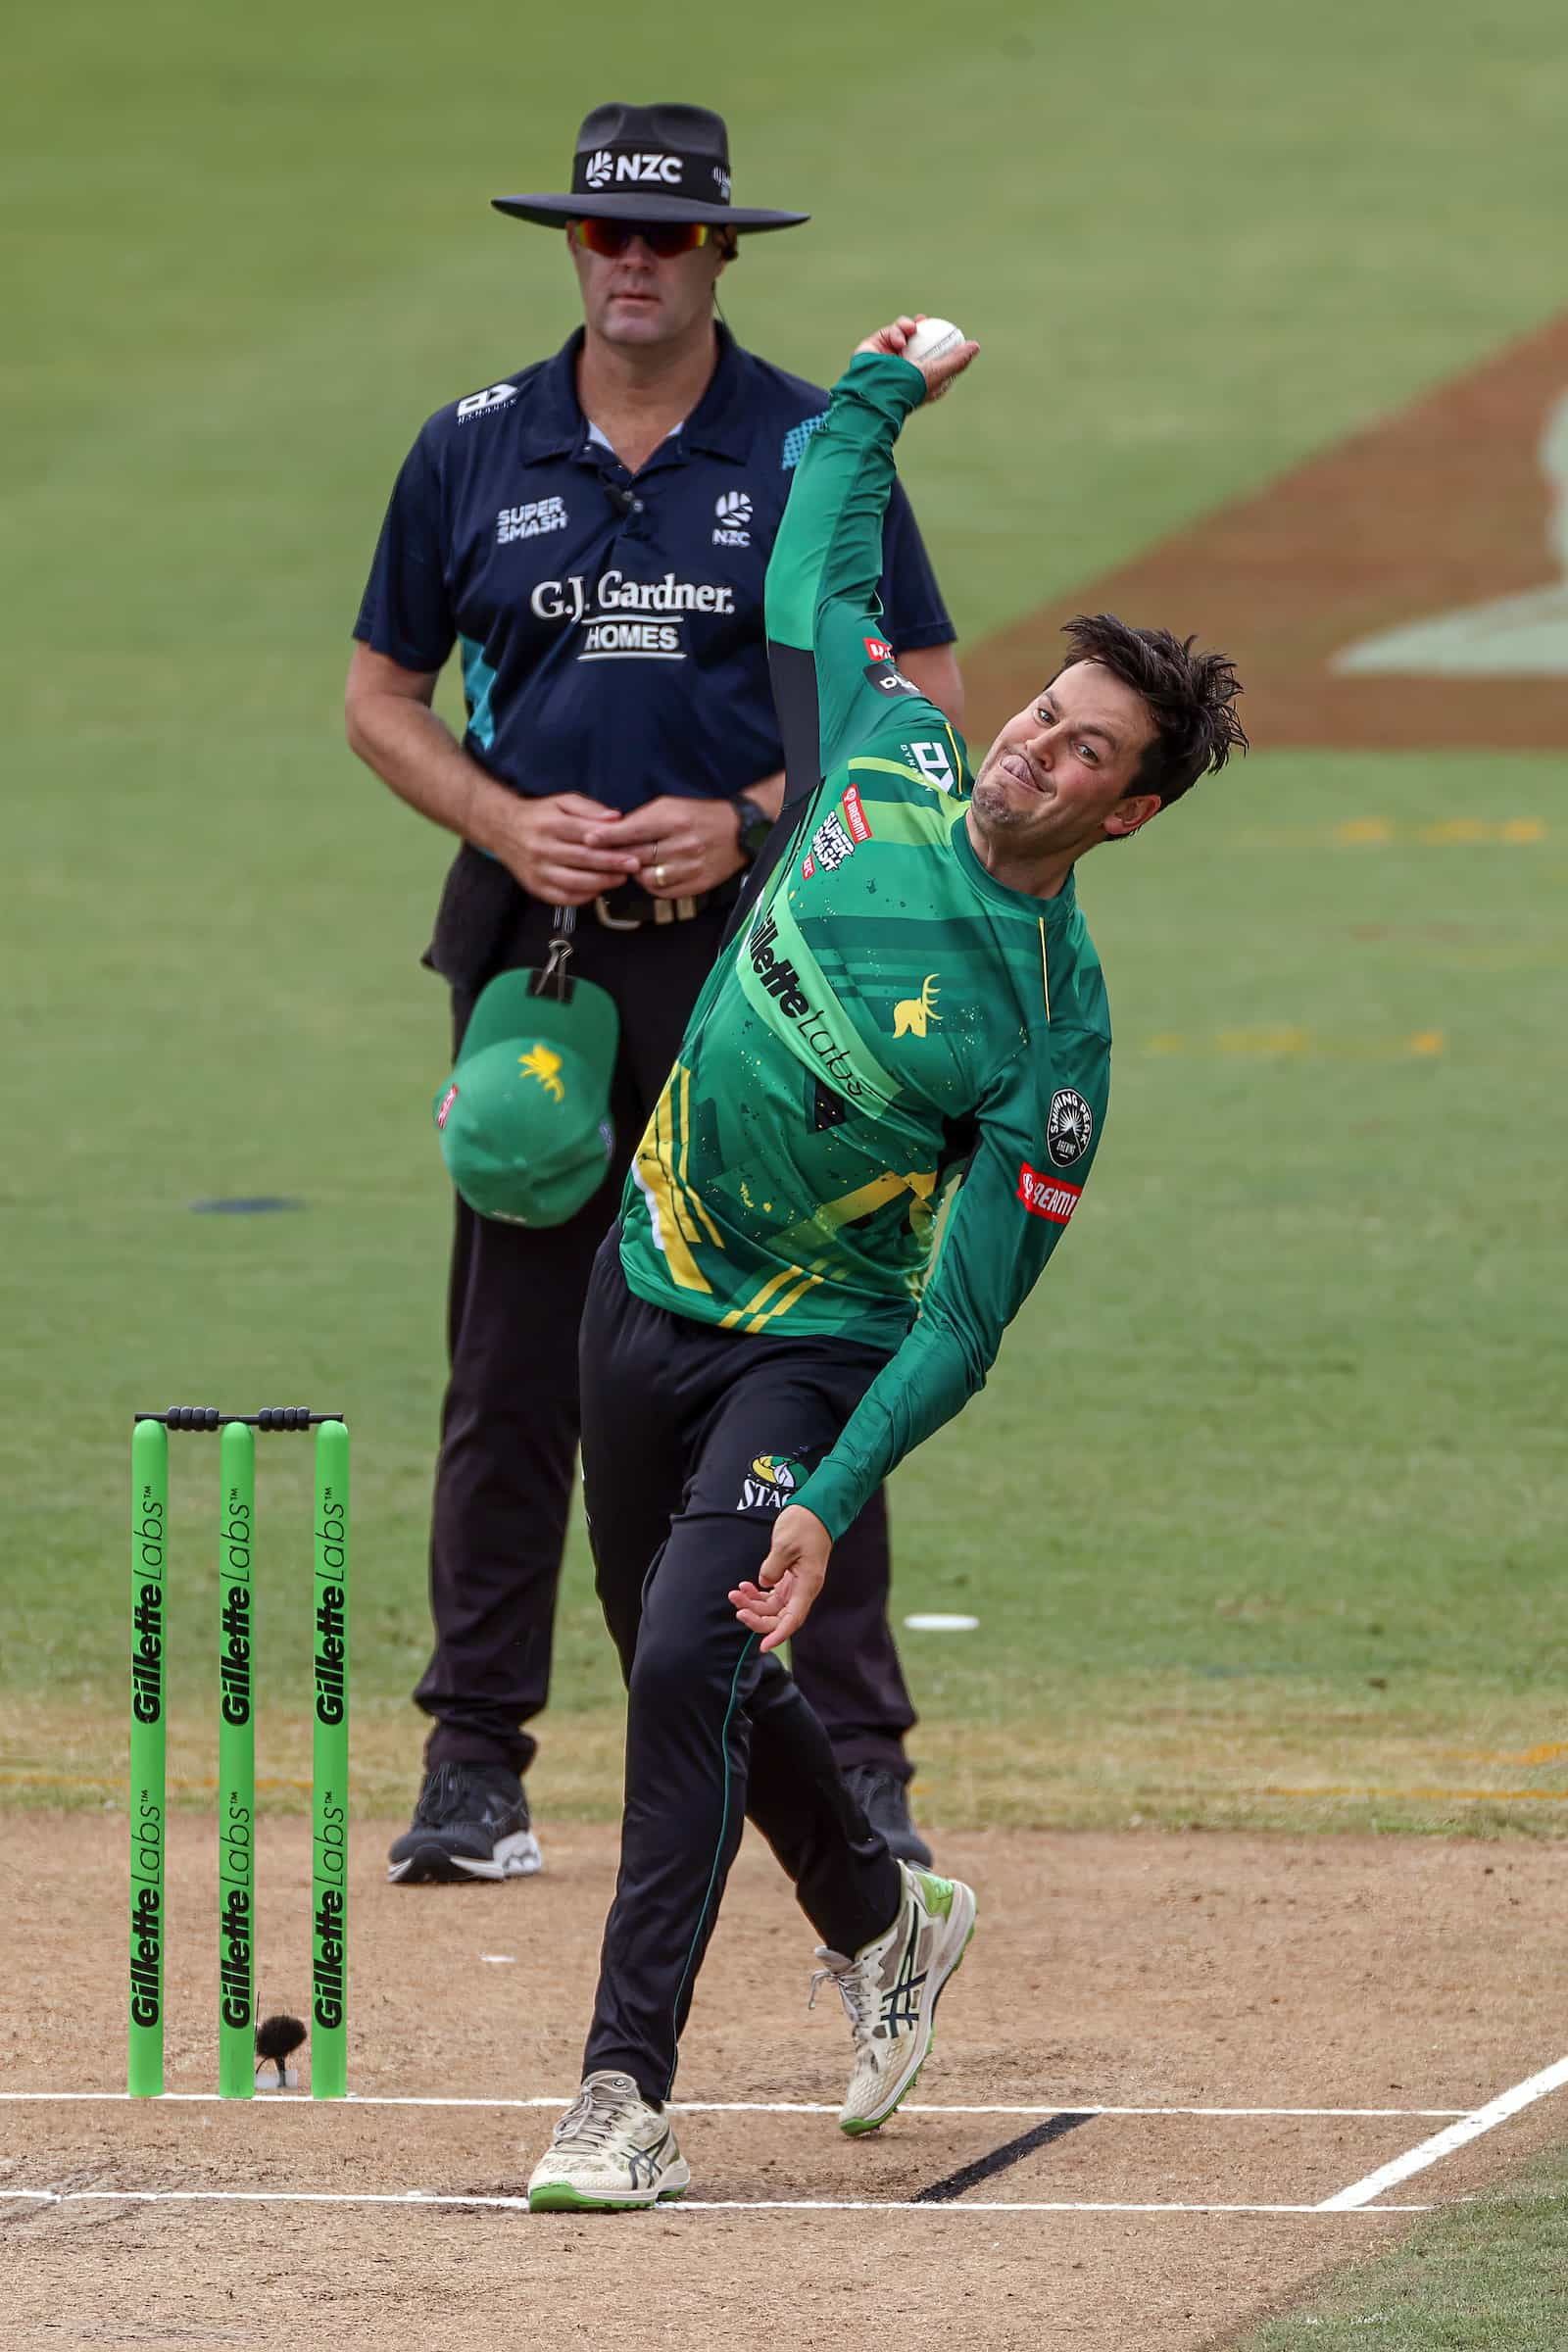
[[667, 238]]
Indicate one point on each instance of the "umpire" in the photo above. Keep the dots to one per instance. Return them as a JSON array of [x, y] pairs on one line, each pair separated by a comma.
[[591, 534]]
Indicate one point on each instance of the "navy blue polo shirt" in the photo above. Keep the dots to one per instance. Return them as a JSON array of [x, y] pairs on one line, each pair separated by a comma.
[[611, 625]]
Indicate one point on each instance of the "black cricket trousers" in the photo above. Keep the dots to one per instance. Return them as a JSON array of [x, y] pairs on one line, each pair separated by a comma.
[[676, 1416], [510, 1421]]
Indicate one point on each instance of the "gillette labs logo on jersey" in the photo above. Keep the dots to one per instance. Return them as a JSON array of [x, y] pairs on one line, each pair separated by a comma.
[[782, 982], [625, 619]]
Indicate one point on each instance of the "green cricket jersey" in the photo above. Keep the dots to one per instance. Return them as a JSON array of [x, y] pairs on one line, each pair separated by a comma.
[[890, 1018]]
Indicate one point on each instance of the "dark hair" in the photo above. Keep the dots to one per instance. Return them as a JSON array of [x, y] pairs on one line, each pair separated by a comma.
[[1189, 696]]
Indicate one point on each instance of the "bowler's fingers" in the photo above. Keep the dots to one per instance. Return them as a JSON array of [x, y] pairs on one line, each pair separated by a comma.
[[762, 1612], [940, 374], [894, 336]]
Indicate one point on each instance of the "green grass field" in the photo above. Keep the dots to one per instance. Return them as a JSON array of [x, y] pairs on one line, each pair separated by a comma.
[[1261, 1513]]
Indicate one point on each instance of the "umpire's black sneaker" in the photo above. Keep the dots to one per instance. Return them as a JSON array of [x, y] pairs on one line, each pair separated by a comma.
[[884, 1799], [471, 1822]]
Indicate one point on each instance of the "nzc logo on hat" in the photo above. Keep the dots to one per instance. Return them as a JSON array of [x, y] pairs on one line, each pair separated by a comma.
[[524, 1119]]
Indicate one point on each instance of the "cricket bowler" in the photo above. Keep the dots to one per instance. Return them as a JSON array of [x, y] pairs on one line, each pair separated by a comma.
[[915, 1007]]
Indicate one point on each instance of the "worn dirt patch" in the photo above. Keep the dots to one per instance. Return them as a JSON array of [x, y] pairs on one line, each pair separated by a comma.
[[1109, 1971], [1451, 507]]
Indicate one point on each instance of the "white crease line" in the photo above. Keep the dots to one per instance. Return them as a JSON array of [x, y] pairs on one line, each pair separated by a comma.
[[426, 2196], [1443, 2143], [706, 2106]]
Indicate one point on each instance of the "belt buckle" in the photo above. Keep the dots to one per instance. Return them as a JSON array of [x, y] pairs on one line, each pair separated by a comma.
[[666, 910], [616, 922]]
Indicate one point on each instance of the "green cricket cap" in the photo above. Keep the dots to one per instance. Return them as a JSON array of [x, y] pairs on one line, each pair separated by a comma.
[[525, 1117]]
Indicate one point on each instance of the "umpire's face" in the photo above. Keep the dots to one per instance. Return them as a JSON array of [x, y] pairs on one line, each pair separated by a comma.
[[638, 297]]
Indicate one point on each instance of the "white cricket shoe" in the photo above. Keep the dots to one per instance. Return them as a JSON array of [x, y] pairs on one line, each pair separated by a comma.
[[611, 2152], [890, 1991]]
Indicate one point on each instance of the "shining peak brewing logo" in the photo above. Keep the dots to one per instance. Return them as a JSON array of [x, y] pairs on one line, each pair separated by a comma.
[[1070, 1125]]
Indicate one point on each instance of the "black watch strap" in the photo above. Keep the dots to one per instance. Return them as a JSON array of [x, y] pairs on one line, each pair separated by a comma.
[[753, 825]]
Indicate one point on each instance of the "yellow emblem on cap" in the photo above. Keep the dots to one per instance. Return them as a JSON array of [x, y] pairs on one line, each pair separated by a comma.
[[541, 1063]]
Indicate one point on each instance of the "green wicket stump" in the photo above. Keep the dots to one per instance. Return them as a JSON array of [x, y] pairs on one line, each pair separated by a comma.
[[237, 1653]]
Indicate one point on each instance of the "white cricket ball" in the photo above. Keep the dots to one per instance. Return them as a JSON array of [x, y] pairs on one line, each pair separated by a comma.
[[933, 339]]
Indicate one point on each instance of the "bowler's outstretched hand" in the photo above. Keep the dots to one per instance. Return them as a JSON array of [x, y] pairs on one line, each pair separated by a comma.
[[789, 1579], [938, 374]]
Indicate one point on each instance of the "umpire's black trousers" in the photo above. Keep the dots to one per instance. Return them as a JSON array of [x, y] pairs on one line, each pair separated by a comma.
[[676, 1416], [509, 1426]]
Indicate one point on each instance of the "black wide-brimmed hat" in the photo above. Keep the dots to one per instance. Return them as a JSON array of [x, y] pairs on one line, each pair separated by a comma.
[[648, 163]]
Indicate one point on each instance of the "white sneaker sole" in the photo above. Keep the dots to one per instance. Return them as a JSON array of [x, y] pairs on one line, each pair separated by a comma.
[[546, 2195], [515, 1857], [945, 1963]]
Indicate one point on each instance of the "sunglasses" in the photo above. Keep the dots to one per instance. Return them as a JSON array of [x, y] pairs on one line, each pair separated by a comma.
[[666, 238]]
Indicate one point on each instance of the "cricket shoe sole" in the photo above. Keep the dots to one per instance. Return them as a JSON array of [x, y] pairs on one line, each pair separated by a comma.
[[434, 1864]]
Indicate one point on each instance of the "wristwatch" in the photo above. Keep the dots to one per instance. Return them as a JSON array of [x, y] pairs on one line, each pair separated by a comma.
[[753, 825]]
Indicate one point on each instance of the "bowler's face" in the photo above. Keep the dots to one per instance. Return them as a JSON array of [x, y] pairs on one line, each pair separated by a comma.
[[636, 298], [1061, 775]]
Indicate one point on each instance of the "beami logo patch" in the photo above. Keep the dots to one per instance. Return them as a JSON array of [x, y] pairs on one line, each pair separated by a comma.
[[855, 816], [877, 648], [447, 1101], [1047, 1196]]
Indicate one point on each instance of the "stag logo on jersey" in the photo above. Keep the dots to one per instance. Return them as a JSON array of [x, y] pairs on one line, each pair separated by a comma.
[[1069, 1124], [540, 1062], [910, 1017], [734, 513], [769, 1483]]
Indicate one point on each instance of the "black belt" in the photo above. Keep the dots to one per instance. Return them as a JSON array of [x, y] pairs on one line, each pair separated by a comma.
[[630, 907]]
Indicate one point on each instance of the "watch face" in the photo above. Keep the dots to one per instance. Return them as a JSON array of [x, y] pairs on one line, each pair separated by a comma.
[[755, 826]]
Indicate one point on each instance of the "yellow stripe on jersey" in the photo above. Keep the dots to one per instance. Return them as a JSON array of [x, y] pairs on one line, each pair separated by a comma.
[[738, 1314], [861, 1202], [685, 1078], [674, 1225], [1045, 968], [808, 1281]]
